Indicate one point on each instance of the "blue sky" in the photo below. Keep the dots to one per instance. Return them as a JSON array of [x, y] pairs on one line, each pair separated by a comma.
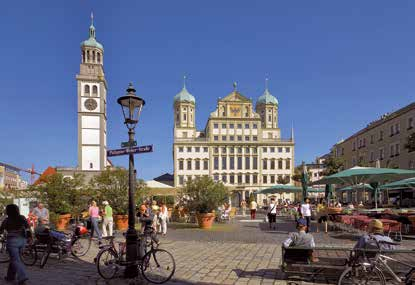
[[333, 65]]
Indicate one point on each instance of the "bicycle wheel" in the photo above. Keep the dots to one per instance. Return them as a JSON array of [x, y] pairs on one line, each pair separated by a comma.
[[362, 275], [107, 263], [81, 245], [45, 256], [29, 255], [4, 255], [158, 266]]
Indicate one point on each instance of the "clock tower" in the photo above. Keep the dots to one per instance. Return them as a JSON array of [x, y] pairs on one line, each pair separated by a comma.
[[92, 101]]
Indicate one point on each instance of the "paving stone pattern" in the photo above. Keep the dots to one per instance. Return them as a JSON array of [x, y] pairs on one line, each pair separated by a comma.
[[249, 253]]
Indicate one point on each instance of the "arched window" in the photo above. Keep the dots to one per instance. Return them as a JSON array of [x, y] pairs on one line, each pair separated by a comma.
[[88, 56], [93, 56], [86, 89], [94, 90], [99, 57], [83, 56]]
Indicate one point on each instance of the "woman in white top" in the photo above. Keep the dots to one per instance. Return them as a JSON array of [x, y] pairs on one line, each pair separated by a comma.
[[272, 214], [163, 215], [306, 212]]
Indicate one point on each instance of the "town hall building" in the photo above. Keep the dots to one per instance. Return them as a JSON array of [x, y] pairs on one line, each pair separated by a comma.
[[241, 144]]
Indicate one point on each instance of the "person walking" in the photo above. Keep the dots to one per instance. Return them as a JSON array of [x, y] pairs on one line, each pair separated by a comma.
[[108, 219], [253, 206], [94, 216], [163, 216], [17, 232], [272, 214], [306, 212], [243, 206]]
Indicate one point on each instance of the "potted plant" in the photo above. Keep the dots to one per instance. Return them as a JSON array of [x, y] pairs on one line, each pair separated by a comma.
[[112, 186], [203, 195]]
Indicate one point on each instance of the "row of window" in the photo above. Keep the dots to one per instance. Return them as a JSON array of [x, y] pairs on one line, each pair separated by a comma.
[[394, 130], [232, 126], [234, 162], [87, 90], [91, 56], [238, 138], [224, 150], [394, 150], [241, 178]]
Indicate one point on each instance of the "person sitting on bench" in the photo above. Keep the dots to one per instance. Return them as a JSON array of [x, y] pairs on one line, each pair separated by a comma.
[[301, 239]]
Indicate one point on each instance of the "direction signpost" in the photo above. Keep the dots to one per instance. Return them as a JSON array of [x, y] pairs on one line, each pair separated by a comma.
[[132, 150]]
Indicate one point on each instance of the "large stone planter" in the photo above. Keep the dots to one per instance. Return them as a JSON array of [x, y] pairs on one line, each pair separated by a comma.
[[205, 221], [62, 222], [121, 222]]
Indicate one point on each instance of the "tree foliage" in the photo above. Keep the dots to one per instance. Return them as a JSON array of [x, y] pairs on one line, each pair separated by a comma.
[[203, 195], [298, 173], [333, 165]]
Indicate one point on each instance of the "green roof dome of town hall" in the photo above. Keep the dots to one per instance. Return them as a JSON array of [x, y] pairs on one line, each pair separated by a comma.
[[92, 42], [184, 95], [267, 97]]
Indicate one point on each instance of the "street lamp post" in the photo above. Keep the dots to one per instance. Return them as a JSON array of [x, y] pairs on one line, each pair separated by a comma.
[[131, 106]]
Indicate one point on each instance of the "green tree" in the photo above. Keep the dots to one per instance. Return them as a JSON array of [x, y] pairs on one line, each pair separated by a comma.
[[410, 143], [203, 195], [112, 185], [333, 165], [298, 173], [283, 180]]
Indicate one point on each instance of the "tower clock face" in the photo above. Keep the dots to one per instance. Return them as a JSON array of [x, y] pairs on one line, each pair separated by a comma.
[[90, 104]]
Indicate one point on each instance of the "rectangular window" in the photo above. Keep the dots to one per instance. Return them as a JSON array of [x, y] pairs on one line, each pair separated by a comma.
[[240, 150], [280, 164], [239, 162], [224, 150], [223, 138], [216, 150], [216, 163], [272, 164], [231, 138], [189, 149], [247, 162], [223, 126], [381, 136], [231, 126], [392, 150], [410, 123], [397, 149], [197, 149], [239, 178], [206, 164], [181, 164], [264, 149], [197, 164], [231, 162], [205, 149], [255, 163], [397, 128], [372, 156], [272, 178], [255, 150], [181, 180], [239, 138], [287, 149], [189, 165], [246, 126], [372, 139], [381, 154], [223, 162], [354, 146], [255, 138], [232, 150], [215, 138], [264, 164], [392, 130], [247, 138], [264, 179], [247, 150], [224, 178], [254, 126], [239, 126], [254, 179], [216, 177], [247, 179], [180, 149], [288, 164], [280, 149], [272, 149], [232, 179], [215, 126]]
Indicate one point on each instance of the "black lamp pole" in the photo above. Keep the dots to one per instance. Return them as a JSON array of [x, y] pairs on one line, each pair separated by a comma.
[[131, 106]]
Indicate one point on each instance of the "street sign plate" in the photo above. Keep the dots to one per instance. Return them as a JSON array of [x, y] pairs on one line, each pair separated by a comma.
[[129, 144], [133, 150]]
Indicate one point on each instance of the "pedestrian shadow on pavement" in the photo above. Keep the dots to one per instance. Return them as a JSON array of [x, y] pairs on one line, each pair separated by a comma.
[[281, 227], [271, 273]]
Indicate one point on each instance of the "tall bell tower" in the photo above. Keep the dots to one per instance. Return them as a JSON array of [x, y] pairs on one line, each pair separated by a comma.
[[92, 105]]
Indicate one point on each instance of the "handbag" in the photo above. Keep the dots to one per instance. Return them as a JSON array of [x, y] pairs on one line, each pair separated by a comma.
[[269, 213]]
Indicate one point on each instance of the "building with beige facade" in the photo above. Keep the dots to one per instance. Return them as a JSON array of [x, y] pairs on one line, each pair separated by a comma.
[[239, 145], [382, 140]]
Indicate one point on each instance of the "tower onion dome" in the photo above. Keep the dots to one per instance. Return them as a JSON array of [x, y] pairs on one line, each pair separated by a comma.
[[267, 97], [184, 95], [92, 42]]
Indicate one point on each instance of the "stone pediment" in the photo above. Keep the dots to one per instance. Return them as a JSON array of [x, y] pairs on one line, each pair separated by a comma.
[[235, 96]]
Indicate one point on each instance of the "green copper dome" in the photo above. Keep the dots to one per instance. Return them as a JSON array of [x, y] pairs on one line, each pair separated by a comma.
[[92, 42], [184, 96], [267, 98]]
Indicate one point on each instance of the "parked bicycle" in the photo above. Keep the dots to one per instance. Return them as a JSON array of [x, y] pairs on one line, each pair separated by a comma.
[[156, 265], [371, 267], [28, 254]]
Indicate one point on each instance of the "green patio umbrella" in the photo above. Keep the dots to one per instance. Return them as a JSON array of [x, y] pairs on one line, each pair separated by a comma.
[[405, 183], [354, 187], [366, 175], [280, 188], [304, 181], [315, 190]]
